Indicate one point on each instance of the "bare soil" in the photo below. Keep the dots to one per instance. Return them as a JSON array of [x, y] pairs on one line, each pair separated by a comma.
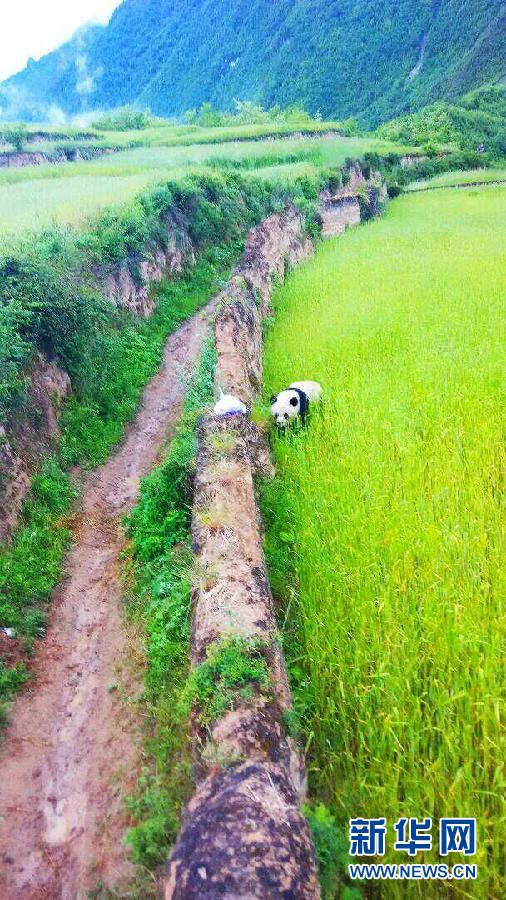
[[73, 747]]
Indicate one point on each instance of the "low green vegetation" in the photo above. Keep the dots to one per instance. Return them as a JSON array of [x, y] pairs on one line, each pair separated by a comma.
[[126, 118], [331, 848], [158, 563], [246, 112], [399, 176], [32, 204], [165, 133], [31, 566], [479, 119], [385, 524], [233, 668], [15, 136]]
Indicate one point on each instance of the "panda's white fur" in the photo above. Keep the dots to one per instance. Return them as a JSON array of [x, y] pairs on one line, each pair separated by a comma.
[[294, 402], [311, 389]]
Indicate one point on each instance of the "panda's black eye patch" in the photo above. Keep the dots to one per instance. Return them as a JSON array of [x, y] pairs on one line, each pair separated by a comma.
[[273, 399], [294, 401]]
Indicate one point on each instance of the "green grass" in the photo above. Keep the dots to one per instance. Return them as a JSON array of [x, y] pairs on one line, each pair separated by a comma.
[[158, 568], [170, 135], [386, 521], [235, 668], [450, 179], [35, 204]]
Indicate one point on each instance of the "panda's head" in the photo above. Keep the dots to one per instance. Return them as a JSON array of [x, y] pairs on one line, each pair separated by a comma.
[[287, 406]]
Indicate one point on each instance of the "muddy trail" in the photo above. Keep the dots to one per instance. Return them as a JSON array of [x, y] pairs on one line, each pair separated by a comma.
[[72, 750]]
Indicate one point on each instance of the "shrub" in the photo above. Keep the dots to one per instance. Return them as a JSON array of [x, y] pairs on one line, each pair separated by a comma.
[[125, 118], [30, 567], [10, 681], [393, 190], [14, 350], [246, 112], [475, 120], [16, 135], [50, 310]]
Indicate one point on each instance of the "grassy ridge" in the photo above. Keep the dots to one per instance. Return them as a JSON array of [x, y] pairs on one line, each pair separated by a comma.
[[454, 179], [386, 522], [158, 562], [167, 134]]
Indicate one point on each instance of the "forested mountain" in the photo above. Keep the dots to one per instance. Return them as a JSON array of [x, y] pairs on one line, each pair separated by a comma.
[[366, 58]]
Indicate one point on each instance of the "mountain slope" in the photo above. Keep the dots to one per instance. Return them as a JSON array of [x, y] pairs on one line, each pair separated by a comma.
[[343, 57]]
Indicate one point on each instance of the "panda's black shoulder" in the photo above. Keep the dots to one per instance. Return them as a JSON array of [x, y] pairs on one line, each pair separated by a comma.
[[303, 400]]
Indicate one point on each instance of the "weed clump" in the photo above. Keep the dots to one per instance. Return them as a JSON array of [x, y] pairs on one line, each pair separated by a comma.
[[234, 669], [331, 848]]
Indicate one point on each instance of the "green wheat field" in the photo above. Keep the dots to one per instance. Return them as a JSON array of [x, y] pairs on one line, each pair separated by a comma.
[[386, 522]]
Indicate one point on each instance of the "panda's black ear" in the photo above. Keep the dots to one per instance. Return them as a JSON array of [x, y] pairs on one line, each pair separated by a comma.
[[294, 401], [273, 400]]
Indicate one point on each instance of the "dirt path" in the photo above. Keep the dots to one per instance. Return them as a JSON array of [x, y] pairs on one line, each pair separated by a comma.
[[72, 750]]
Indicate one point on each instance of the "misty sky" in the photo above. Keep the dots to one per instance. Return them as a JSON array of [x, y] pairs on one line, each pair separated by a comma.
[[33, 27]]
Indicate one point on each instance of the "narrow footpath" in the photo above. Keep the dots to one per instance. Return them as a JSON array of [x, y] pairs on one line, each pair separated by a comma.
[[72, 750]]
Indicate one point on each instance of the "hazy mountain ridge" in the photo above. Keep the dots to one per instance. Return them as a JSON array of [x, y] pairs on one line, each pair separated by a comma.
[[342, 57]]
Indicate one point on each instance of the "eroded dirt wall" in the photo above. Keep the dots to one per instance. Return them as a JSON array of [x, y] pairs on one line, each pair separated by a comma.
[[18, 160], [29, 437], [243, 834], [345, 206]]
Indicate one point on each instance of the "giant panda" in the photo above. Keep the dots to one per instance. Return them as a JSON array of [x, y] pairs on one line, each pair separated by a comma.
[[293, 403]]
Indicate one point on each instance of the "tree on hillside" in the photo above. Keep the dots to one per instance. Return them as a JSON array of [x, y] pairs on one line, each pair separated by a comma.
[[209, 117], [124, 118], [16, 135]]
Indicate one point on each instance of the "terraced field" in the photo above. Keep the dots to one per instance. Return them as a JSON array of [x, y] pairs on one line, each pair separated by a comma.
[[35, 196], [456, 179], [386, 521]]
